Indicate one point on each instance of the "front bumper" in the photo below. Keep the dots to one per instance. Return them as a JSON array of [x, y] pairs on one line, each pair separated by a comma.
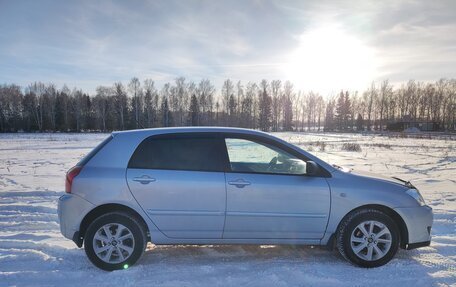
[[418, 245], [419, 223], [71, 210]]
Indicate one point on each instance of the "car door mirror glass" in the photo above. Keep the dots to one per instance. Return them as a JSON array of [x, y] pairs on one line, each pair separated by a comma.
[[311, 168]]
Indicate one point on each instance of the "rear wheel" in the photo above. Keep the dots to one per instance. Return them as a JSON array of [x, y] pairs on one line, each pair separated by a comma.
[[115, 240], [368, 238]]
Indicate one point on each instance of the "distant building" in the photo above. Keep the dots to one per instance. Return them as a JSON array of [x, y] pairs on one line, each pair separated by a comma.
[[424, 126]]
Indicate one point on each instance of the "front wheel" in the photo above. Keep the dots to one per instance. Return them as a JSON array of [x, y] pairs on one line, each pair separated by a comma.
[[368, 238], [115, 240]]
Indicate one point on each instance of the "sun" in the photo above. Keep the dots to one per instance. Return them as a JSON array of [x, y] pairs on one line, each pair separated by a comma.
[[328, 59]]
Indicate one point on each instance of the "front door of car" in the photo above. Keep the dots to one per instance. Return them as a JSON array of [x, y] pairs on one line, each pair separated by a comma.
[[179, 181], [270, 196]]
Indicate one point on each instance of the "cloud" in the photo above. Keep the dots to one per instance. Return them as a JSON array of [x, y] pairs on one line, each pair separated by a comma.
[[86, 43]]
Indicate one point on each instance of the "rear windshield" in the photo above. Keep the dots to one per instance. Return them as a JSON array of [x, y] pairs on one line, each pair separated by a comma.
[[179, 153], [91, 154]]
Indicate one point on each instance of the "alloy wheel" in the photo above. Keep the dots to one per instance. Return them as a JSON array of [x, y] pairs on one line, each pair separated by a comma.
[[371, 240], [113, 243]]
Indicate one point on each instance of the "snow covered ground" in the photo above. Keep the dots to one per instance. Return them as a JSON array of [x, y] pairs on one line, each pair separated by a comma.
[[34, 253]]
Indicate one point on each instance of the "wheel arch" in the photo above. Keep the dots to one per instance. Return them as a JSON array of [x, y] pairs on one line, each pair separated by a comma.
[[103, 209], [403, 231]]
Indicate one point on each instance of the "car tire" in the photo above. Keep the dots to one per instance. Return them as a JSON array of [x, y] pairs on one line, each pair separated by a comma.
[[115, 240], [368, 238]]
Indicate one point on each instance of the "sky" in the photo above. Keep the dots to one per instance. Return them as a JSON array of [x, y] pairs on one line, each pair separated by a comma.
[[324, 46]]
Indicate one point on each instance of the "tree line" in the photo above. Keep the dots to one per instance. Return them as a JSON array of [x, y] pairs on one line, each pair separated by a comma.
[[268, 106]]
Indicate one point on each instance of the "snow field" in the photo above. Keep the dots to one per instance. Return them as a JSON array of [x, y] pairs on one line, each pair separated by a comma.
[[34, 253]]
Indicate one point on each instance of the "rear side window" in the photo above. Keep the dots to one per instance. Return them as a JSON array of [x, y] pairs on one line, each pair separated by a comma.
[[179, 153], [91, 154]]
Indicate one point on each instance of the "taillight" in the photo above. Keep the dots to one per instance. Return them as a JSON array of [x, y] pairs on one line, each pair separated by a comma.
[[71, 174]]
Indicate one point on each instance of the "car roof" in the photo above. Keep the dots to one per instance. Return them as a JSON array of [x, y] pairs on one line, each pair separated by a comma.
[[151, 131]]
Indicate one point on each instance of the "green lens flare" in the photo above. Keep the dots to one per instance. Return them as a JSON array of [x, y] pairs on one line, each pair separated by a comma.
[[125, 266]]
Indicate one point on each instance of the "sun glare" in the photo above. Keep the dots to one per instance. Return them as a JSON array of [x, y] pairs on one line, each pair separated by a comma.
[[328, 60]]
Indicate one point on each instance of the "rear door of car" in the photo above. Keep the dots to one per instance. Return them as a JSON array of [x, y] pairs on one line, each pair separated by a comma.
[[178, 180]]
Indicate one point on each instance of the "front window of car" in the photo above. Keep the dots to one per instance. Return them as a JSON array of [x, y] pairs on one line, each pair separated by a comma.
[[255, 157]]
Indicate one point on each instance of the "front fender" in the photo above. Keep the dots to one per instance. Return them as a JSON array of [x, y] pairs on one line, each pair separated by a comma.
[[350, 191]]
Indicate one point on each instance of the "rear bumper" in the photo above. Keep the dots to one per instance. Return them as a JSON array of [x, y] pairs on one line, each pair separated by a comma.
[[71, 210], [419, 223]]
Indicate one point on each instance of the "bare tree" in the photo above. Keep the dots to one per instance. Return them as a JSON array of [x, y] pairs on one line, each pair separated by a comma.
[[248, 106], [42, 107], [227, 91], [183, 98], [50, 101], [11, 106], [134, 87], [385, 91], [78, 107], [37, 89], [101, 104], [206, 93], [287, 104], [369, 97], [264, 105], [240, 97], [320, 105], [276, 86], [150, 102], [121, 103]]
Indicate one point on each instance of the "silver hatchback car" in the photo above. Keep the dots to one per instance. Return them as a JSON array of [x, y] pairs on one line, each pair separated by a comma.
[[231, 186]]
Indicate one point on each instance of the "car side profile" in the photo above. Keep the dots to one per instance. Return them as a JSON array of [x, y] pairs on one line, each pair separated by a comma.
[[213, 185]]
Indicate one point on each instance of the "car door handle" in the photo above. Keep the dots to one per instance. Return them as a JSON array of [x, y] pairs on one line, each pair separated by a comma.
[[239, 183], [145, 179]]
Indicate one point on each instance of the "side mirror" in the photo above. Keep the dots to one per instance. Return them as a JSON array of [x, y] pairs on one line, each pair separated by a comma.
[[311, 168]]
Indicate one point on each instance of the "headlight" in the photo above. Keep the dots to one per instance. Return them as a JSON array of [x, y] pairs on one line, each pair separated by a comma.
[[416, 195]]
